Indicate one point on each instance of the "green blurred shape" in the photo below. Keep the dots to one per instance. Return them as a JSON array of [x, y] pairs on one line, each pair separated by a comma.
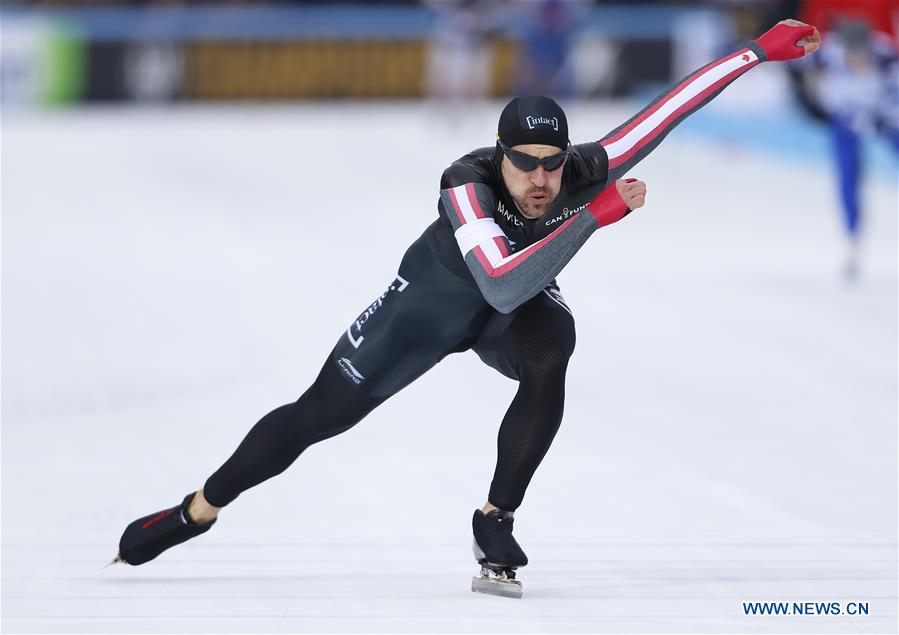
[[63, 63]]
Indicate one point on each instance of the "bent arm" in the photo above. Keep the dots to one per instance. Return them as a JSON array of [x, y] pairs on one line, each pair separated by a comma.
[[508, 279]]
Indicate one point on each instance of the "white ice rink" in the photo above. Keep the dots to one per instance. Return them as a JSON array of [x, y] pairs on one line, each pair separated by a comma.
[[170, 275]]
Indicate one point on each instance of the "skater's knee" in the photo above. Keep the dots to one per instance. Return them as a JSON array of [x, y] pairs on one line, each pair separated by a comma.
[[545, 362], [319, 416]]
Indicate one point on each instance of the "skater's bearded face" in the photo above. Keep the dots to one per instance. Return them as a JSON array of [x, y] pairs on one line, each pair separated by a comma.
[[533, 191]]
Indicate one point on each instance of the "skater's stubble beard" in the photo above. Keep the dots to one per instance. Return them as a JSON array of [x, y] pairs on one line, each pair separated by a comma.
[[523, 185]]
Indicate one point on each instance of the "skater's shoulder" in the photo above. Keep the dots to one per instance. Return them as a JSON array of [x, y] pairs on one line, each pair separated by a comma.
[[477, 166], [588, 163]]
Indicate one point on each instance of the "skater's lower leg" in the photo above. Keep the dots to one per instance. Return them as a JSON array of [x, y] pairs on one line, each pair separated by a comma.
[[532, 420], [540, 352], [525, 436], [329, 407]]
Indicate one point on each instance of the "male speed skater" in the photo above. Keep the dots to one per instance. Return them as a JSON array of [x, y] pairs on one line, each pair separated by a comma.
[[480, 277]]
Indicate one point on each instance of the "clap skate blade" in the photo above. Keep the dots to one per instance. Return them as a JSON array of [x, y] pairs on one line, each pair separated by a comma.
[[497, 581]]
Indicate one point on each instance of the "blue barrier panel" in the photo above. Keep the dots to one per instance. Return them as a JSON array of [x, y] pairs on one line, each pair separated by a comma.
[[176, 23]]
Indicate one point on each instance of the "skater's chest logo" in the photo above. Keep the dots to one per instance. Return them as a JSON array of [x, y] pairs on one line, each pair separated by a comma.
[[565, 214], [504, 214]]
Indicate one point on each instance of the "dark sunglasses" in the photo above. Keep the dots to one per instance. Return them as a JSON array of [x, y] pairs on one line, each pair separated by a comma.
[[528, 163]]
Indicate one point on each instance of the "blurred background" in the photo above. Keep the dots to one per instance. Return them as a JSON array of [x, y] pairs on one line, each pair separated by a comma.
[[451, 53], [61, 51], [198, 197]]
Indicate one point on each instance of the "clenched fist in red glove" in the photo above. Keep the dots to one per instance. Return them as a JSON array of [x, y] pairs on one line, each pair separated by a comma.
[[788, 40], [617, 201]]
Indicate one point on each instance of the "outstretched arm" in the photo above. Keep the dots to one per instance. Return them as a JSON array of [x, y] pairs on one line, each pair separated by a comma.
[[628, 144]]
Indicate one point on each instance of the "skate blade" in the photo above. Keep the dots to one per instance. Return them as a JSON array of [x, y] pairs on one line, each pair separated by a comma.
[[495, 586]]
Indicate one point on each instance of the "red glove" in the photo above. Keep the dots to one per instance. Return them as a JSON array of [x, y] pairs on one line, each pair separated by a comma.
[[609, 207], [780, 42]]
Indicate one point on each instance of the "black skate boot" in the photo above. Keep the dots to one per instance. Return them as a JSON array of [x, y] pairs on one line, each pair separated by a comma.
[[498, 553], [147, 537]]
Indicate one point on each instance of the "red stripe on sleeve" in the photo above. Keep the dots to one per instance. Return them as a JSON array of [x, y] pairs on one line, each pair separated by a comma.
[[501, 244], [649, 112], [473, 199], [677, 113], [520, 257], [482, 258], [456, 207]]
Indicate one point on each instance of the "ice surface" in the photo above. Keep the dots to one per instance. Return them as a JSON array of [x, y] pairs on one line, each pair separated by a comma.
[[170, 275]]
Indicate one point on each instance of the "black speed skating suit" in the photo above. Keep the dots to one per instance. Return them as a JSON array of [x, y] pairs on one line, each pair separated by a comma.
[[440, 303], [516, 320], [480, 277]]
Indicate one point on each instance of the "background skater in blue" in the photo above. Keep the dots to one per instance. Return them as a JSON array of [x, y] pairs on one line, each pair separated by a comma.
[[480, 277], [852, 87]]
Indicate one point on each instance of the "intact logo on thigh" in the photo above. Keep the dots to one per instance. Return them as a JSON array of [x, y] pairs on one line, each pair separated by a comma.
[[354, 332]]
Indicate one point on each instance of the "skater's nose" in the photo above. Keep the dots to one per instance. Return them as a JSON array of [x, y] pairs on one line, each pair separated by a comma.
[[538, 176]]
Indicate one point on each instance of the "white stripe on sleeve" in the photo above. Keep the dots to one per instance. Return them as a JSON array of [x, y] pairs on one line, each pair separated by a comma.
[[492, 252], [689, 91], [464, 204], [477, 232]]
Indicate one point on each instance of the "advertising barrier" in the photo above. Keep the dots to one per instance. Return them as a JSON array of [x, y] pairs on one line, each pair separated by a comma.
[[283, 53]]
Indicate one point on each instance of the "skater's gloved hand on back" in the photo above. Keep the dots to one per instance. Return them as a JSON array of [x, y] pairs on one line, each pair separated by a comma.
[[789, 40]]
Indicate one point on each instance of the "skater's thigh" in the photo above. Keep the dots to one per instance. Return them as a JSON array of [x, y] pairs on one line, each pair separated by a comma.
[[541, 328], [414, 324]]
